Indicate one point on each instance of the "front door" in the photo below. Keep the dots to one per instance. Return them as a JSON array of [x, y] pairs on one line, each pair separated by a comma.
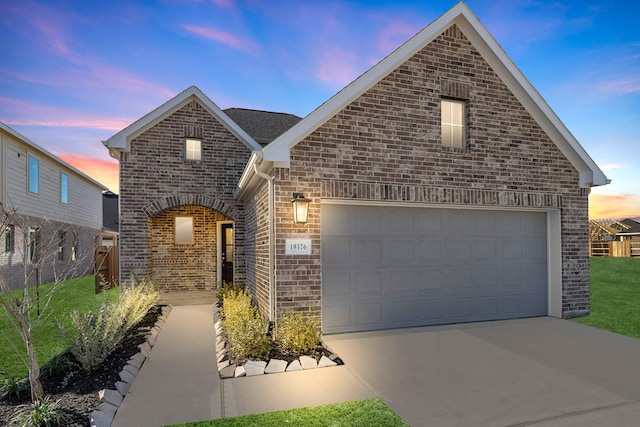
[[227, 253]]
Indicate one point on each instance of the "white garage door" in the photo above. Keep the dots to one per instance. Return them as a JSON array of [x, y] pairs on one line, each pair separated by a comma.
[[389, 267]]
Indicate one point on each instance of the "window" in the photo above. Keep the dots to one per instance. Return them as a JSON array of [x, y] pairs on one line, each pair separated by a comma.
[[453, 134], [193, 149], [34, 244], [184, 230], [62, 237], [9, 239], [34, 175], [74, 247], [64, 188]]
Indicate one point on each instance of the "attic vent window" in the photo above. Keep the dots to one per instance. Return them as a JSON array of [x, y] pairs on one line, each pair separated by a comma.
[[452, 119], [193, 149]]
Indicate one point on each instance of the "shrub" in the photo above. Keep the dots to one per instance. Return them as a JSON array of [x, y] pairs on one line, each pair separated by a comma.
[[227, 288], [13, 388], [297, 333], [41, 413], [244, 328], [96, 335]]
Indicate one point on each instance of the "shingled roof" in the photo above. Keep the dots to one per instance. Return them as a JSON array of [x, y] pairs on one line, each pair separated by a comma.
[[262, 126], [634, 228]]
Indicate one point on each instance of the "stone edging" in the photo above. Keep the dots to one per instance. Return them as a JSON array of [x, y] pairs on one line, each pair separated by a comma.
[[260, 367], [112, 399]]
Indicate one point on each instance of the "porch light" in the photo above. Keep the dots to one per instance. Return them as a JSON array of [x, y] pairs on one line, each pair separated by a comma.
[[300, 208]]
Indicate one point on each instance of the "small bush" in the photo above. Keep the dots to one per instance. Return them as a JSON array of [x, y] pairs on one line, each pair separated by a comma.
[[42, 413], [227, 289], [61, 363], [297, 333], [95, 335], [244, 328], [12, 389]]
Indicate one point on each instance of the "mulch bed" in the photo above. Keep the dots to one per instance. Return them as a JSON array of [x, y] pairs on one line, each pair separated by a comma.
[[77, 390]]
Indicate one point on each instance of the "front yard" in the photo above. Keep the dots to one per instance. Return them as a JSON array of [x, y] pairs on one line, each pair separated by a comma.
[[615, 295]]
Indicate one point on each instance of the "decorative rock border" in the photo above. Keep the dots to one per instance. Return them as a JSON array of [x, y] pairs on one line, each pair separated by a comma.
[[111, 399], [260, 367]]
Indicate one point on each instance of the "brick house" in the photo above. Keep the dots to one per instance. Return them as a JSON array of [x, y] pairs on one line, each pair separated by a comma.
[[442, 189]]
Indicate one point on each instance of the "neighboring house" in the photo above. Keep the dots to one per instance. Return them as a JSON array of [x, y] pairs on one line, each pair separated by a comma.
[[57, 213], [110, 219], [442, 189], [630, 231]]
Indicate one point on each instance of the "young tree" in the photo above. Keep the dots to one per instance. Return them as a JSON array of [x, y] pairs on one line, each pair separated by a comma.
[[40, 247]]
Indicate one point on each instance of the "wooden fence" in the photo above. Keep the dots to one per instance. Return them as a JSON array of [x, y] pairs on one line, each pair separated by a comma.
[[107, 272], [624, 249]]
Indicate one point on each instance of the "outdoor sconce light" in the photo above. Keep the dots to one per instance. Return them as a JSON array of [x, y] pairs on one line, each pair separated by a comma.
[[300, 208]]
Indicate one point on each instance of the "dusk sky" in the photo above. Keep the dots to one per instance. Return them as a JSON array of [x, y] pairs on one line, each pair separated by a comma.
[[74, 73]]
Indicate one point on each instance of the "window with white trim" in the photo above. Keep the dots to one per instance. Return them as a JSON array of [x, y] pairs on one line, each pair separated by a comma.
[[193, 149], [453, 126], [64, 188], [10, 239], [34, 175], [184, 230]]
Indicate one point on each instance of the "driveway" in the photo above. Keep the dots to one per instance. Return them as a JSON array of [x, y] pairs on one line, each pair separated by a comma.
[[540, 371]]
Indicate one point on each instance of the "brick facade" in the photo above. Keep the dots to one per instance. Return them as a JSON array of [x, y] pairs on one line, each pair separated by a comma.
[[385, 146], [157, 184]]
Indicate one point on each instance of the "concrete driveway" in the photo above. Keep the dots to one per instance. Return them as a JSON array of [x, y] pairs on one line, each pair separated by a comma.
[[540, 371]]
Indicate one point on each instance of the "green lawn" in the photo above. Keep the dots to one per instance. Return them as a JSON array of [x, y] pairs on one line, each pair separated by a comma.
[[75, 294], [372, 412], [615, 295]]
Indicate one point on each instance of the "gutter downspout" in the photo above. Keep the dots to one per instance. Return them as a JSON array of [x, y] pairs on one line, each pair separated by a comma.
[[269, 180]]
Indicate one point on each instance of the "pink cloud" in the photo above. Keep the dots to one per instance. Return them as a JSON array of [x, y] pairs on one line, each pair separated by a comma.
[[394, 35], [103, 171], [225, 4], [28, 114], [338, 67], [622, 86], [614, 206], [222, 37]]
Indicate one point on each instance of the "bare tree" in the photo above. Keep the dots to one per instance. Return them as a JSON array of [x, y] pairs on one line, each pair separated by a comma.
[[40, 245]]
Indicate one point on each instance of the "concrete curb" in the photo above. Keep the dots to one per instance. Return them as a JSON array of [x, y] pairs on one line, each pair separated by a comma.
[[112, 399]]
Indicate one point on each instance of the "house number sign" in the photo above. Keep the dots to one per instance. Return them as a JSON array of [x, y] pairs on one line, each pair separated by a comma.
[[298, 247]]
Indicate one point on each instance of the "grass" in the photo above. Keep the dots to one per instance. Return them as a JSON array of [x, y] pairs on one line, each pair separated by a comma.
[[74, 294], [615, 295], [371, 412]]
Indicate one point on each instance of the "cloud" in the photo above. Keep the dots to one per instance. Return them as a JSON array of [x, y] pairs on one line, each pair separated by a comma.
[[394, 35], [222, 37], [338, 67], [28, 114], [613, 166], [103, 171], [614, 206], [225, 4], [621, 86]]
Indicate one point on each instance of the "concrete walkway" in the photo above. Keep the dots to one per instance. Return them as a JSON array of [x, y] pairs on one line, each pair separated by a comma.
[[542, 371]]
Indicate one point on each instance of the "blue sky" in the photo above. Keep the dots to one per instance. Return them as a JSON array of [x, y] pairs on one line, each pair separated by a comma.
[[73, 73]]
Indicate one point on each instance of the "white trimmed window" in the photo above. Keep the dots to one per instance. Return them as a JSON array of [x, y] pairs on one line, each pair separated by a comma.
[[184, 230], [452, 113], [193, 149]]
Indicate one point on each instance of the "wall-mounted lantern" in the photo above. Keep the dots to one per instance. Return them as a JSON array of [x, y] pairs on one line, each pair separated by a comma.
[[300, 208]]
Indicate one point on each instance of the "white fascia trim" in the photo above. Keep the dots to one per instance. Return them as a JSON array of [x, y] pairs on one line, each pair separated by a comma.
[[15, 134], [121, 140], [278, 151]]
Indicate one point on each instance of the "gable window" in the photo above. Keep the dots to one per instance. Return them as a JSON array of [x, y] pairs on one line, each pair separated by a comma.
[[184, 230], [34, 175], [452, 119], [193, 149], [9, 239], [64, 188]]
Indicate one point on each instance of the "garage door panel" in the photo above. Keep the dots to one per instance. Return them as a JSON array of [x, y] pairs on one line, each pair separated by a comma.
[[438, 266]]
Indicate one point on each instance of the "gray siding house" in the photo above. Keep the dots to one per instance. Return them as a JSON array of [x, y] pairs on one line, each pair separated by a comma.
[[56, 213], [441, 188]]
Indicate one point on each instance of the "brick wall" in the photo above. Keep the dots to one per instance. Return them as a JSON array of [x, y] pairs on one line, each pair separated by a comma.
[[155, 179], [385, 146]]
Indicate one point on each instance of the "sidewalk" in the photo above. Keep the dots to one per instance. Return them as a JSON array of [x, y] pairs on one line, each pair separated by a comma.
[[179, 382]]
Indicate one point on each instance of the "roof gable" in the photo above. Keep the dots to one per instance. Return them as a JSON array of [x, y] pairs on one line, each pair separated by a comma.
[[278, 152], [263, 126], [121, 141]]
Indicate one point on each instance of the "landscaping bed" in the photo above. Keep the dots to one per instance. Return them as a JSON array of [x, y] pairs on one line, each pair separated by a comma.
[[77, 390]]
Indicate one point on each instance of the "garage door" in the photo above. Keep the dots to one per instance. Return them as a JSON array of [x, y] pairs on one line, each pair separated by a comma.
[[390, 267]]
